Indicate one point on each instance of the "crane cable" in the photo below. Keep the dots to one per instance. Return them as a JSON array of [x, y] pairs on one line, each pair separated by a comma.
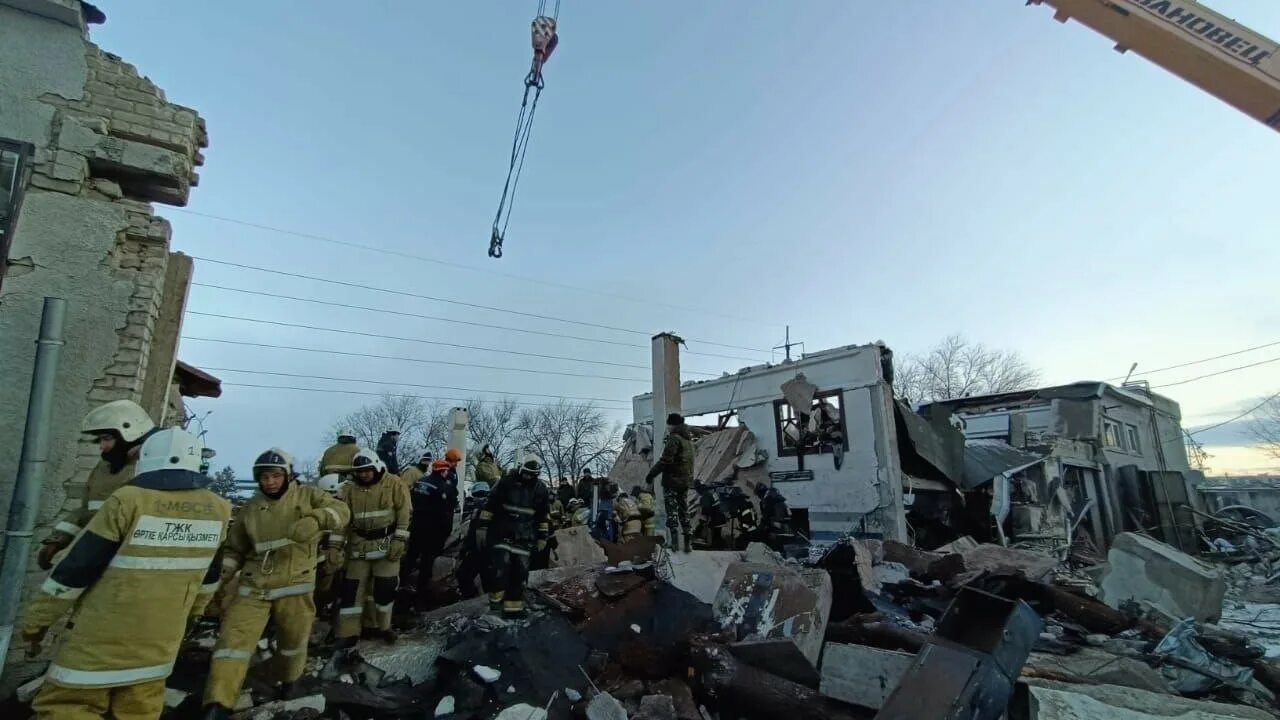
[[545, 40]]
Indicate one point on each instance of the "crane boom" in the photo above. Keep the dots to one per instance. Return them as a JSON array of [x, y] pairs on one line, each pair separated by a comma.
[[1212, 52]]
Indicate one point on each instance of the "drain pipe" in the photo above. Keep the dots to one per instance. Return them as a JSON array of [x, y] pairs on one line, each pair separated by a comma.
[[25, 503]]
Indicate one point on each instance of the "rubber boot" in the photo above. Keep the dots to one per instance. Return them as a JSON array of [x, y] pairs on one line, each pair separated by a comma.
[[215, 712]]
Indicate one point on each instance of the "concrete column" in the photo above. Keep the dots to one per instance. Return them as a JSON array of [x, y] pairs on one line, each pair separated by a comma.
[[459, 420], [164, 338], [666, 399]]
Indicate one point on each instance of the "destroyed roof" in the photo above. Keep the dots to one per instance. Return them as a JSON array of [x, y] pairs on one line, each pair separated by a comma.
[[984, 460], [194, 382], [1083, 390], [927, 450]]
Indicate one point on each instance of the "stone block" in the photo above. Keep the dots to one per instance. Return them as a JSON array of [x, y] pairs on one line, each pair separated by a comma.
[[575, 546], [522, 711], [701, 572], [1048, 700], [765, 601], [1140, 568], [1098, 666], [44, 182], [656, 707], [862, 675]]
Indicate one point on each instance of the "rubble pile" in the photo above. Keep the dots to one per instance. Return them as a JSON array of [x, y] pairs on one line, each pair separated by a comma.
[[867, 629]]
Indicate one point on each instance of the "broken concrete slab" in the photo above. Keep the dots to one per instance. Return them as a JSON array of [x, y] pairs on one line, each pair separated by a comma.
[[1049, 700], [861, 675], [961, 545], [413, 656], [779, 656], [605, 707], [701, 572], [1140, 568], [575, 546], [681, 695], [1098, 666], [922, 564], [656, 707], [760, 553], [268, 711], [763, 602], [522, 712], [637, 551], [998, 560]]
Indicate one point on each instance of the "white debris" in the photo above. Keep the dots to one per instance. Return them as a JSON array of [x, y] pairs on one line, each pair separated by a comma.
[[486, 673], [522, 712], [573, 695], [445, 706], [635, 629], [605, 707], [173, 697]]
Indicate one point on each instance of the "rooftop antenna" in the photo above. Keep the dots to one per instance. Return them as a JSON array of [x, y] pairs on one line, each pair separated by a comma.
[[787, 344]]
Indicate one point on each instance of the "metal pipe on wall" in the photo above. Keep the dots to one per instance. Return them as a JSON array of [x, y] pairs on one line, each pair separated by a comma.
[[25, 503]]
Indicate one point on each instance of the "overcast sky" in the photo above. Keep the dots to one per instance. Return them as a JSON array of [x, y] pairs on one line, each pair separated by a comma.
[[861, 171]]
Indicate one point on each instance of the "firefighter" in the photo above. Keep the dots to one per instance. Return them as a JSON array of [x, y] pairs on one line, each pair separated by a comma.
[[516, 515], [414, 472], [471, 558], [376, 541], [331, 558], [337, 458], [433, 497], [143, 568], [586, 484], [648, 519], [676, 468], [119, 427], [626, 513], [603, 526], [274, 547], [487, 468], [579, 513], [565, 492], [556, 518]]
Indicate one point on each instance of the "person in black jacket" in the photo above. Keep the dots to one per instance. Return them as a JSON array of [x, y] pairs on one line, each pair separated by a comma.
[[434, 497], [387, 445], [514, 526]]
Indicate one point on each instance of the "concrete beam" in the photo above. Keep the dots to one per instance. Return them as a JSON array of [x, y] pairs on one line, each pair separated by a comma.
[[164, 339]]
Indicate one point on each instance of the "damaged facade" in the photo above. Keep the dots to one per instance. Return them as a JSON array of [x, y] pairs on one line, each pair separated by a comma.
[[86, 146]]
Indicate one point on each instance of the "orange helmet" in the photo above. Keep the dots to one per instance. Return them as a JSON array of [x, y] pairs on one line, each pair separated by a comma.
[[440, 465], [453, 455]]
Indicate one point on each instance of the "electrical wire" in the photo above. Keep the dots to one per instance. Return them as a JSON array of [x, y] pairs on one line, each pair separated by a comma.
[[246, 343], [463, 266], [521, 313], [1241, 416], [409, 384], [1196, 362], [1215, 374], [470, 323], [377, 394]]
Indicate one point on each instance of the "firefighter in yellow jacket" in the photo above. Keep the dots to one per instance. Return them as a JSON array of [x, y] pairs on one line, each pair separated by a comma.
[[274, 547], [337, 457], [628, 516], [648, 519], [375, 542], [119, 427], [145, 565]]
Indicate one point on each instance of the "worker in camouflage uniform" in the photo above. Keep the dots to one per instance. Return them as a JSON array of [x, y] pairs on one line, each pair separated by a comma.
[[676, 468]]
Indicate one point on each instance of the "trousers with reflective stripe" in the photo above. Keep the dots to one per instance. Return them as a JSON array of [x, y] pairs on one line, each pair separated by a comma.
[[242, 626], [366, 596], [139, 701]]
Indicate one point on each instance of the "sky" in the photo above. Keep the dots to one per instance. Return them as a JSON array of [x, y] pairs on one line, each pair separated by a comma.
[[857, 171]]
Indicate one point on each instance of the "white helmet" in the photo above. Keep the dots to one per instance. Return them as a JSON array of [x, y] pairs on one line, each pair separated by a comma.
[[125, 417], [274, 458], [329, 483], [346, 433], [172, 449], [364, 458]]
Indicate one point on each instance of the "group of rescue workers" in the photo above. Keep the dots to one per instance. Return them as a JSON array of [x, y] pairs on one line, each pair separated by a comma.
[[138, 563]]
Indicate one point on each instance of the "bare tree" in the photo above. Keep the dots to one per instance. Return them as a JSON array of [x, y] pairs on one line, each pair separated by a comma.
[[493, 423], [957, 368], [420, 424], [1264, 426], [569, 436]]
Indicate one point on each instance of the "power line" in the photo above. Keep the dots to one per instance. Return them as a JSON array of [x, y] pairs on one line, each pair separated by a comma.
[[1197, 362], [409, 384], [1214, 374], [376, 394], [471, 323], [1241, 416], [411, 359], [521, 313], [464, 266]]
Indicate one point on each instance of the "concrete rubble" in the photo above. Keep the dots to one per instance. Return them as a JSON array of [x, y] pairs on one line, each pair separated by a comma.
[[1142, 569]]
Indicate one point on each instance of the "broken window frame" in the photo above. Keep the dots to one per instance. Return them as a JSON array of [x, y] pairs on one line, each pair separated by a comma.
[[1115, 438], [1133, 441], [17, 180], [781, 407]]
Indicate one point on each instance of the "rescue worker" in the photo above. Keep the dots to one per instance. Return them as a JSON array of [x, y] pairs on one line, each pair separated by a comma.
[[433, 498], [274, 547], [579, 513], [775, 517], [626, 514], [337, 457], [586, 484], [471, 558], [487, 468], [565, 492], [604, 527], [555, 517], [143, 568], [516, 515], [414, 472], [332, 557], [376, 541], [119, 427], [648, 518], [388, 446], [453, 456], [676, 468]]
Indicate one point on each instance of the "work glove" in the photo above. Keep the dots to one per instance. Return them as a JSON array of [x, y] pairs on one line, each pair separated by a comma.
[[482, 537], [396, 551], [542, 545], [333, 557], [304, 530], [33, 636], [48, 549]]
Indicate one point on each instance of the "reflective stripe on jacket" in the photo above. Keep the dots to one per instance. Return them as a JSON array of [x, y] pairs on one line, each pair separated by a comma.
[[384, 505], [271, 564]]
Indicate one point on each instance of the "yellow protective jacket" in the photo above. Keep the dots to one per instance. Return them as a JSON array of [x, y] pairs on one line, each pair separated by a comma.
[[101, 483], [145, 564], [488, 470], [338, 458], [379, 513], [626, 511], [271, 564], [411, 475]]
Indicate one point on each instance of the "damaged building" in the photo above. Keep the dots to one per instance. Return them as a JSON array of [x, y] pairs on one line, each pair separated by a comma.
[[87, 145]]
